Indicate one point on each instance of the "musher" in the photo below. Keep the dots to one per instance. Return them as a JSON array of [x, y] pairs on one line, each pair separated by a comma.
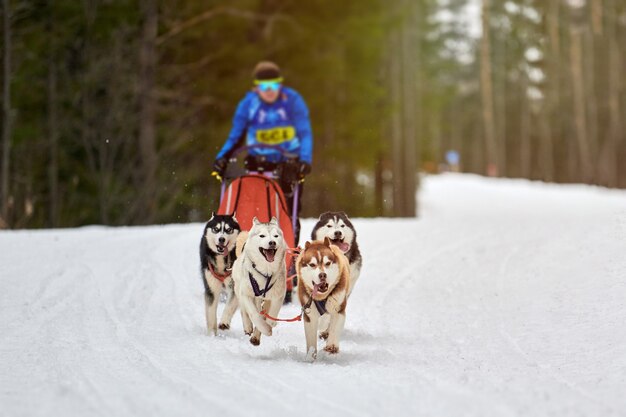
[[276, 115]]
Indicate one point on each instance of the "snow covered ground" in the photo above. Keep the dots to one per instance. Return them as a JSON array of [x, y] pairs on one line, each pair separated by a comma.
[[505, 298]]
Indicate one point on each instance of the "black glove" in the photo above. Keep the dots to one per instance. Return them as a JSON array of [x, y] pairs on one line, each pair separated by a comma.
[[304, 169], [220, 165]]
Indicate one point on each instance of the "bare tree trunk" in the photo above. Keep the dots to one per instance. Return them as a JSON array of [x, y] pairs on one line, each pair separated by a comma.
[[379, 204], [410, 48], [525, 146], [330, 129], [596, 16], [382, 156], [397, 164], [614, 99], [487, 93], [147, 111], [589, 53], [580, 113], [499, 96], [550, 121], [6, 111], [53, 129]]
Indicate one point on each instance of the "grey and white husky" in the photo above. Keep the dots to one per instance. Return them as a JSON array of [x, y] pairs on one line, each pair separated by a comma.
[[217, 255], [336, 226], [260, 277]]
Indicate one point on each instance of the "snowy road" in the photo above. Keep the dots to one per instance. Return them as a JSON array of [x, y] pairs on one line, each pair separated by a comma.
[[504, 298]]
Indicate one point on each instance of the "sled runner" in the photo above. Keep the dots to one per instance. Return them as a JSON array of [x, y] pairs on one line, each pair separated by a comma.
[[254, 191]]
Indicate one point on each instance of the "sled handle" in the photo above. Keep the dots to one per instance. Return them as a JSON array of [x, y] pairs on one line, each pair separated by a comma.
[[222, 190], [294, 208]]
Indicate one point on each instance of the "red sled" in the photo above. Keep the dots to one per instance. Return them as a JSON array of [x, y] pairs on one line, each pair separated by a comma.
[[255, 195]]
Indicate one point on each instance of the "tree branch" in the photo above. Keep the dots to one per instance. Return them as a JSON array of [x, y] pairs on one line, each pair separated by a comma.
[[209, 14]]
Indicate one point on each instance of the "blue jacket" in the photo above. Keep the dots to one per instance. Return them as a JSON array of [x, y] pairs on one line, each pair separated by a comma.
[[283, 123]]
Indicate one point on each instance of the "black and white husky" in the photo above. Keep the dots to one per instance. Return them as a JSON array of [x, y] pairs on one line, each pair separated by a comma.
[[260, 277], [217, 255], [337, 227]]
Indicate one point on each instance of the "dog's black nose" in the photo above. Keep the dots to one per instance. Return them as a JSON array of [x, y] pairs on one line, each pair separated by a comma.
[[322, 276], [337, 234], [272, 244], [222, 239]]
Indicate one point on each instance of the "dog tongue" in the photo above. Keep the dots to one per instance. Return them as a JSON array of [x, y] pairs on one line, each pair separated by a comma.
[[343, 246], [269, 255]]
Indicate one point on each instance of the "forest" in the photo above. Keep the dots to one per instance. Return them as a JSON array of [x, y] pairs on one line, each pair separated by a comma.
[[113, 110]]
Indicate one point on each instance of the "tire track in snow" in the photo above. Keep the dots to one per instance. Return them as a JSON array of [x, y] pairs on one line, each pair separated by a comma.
[[61, 296], [405, 276], [136, 352], [151, 262], [255, 379], [529, 359], [405, 280], [249, 378]]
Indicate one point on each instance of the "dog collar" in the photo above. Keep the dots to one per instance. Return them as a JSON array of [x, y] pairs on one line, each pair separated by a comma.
[[219, 277]]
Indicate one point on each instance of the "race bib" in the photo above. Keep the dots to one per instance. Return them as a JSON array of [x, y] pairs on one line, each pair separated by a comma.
[[276, 135]]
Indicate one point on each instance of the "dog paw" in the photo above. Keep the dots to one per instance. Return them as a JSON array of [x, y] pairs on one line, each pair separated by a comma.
[[324, 335], [311, 355], [265, 329], [255, 341], [247, 332], [332, 349], [224, 326]]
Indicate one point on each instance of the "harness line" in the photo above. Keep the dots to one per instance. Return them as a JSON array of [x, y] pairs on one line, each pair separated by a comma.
[[318, 305]]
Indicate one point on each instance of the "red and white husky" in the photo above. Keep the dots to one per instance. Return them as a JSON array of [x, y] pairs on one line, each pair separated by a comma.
[[323, 285]]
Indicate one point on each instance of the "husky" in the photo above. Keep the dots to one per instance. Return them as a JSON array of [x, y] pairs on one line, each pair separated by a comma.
[[217, 255], [323, 285], [260, 277], [337, 227]]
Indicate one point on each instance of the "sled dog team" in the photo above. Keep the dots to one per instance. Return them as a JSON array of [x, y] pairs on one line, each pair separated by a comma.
[[250, 267]]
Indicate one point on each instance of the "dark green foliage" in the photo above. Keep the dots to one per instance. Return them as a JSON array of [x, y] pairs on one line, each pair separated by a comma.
[[80, 61]]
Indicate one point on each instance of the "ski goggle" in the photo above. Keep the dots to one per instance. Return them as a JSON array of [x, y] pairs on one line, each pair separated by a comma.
[[266, 85]]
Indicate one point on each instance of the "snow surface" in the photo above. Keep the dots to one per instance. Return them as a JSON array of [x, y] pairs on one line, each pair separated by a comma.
[[505, 298]]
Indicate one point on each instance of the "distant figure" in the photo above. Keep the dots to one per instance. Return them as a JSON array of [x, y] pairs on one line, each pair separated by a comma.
[[453, 158], [275, 115]]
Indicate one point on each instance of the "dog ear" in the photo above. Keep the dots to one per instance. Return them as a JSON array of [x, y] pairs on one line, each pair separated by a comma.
[[322, 215], [212, 215], [274, 220], [343, 213], [255, 221], [306, 245], [327, 241]]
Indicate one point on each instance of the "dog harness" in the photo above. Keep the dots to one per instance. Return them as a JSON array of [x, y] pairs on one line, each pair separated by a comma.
[[219, 277], [255, 285], [321, 306]]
